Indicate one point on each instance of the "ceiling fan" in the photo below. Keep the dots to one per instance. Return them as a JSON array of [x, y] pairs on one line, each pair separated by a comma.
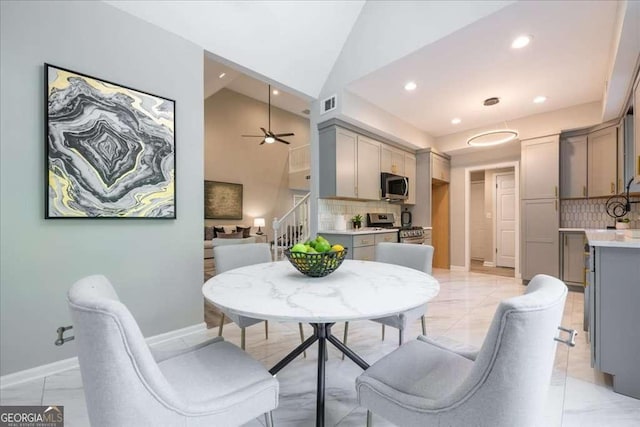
[[268, 136]]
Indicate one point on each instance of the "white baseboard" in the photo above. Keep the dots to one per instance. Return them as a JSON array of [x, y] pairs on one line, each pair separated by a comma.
[[457, 268], [488, 264], [72, 362]]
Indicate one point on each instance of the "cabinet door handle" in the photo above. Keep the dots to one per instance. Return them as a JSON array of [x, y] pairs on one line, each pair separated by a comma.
[[555, 190], [620, 184], [555, 202], [613, 185], [584, 191], [565, 240]]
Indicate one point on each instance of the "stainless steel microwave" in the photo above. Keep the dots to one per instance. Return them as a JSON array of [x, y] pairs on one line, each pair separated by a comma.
[[394, 187]]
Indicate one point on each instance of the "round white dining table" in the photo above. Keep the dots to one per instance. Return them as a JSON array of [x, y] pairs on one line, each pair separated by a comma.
[[357, 290]]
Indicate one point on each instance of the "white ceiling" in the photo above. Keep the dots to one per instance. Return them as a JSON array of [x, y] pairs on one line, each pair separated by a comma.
[[567, 62], [302, 45], [292, 42], [246, 85]]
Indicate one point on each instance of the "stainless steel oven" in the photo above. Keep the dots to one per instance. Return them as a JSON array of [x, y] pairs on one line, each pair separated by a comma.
[[414, 235]]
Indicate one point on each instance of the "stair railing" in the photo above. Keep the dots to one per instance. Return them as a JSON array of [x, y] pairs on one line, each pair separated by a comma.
[[292, 228]]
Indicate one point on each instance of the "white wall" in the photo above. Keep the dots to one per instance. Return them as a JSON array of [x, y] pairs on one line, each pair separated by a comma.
[[262, 169], [155, 265]]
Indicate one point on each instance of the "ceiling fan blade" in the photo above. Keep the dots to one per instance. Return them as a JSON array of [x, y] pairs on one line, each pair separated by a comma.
[[284, 134], [282, 140], [257, 136], [264, 130], [263, 141]]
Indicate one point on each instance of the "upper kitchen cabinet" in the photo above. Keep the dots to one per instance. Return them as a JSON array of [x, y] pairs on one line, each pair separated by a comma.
[[349, 165], [440, 168], [392, 160], [540, 168], [573, 167], [368, 169], [410, 172], [602, 158]]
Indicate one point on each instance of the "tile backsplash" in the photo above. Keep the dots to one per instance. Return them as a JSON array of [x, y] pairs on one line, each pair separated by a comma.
[[328, 209], [591, 213]]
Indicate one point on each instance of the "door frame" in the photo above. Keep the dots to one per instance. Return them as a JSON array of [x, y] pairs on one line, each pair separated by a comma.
[[495, 217], [467, 202]]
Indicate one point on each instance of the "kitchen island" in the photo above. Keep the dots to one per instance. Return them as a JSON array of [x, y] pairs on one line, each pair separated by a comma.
[[613, 287]]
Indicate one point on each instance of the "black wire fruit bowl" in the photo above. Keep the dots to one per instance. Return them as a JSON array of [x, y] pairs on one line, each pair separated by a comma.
[[316, 264]]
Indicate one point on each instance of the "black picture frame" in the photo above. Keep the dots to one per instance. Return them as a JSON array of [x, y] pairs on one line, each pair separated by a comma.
[[222, 200], [110, 149]]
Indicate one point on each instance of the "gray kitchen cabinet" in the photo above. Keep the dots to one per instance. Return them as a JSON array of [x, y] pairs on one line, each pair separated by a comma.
[[540, 238], [368, 169], [392, 160], [572, 270], [602, 162], [573, 167], [361, 245], [410, 172], [440, 167], [540, 168], [614, 293], [427, 237], [349, 165], [539, 208]]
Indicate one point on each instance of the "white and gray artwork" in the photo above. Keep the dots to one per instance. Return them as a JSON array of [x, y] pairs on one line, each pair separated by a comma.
[[110, 149]]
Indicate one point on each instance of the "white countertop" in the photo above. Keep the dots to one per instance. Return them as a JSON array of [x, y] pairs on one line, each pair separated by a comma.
[[364, 230], [356, 290], [611, 238], [572, 230]]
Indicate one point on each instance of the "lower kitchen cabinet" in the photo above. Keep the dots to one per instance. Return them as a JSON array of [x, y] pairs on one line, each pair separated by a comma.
[[361, 246], [572, 270], [614, 292]]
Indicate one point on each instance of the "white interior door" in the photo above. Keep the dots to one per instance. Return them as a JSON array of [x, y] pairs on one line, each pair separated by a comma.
[[505, 220], [477, 222]]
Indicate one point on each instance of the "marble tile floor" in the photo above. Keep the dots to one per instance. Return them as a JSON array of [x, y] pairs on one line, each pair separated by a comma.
[[577, 396]]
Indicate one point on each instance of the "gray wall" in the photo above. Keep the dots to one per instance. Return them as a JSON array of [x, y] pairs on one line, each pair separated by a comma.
[[155, 265]]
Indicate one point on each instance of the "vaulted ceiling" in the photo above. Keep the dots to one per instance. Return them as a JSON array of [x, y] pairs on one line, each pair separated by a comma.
[[458, 53]]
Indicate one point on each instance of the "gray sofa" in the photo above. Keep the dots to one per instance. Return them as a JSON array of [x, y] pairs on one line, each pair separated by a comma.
[[217, 241]]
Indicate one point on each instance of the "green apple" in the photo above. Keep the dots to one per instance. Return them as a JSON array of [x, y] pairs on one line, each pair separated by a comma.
[[299, 247]]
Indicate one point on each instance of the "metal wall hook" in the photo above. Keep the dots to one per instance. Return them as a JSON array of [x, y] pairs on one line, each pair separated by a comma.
[[61, 339], [571, 341]]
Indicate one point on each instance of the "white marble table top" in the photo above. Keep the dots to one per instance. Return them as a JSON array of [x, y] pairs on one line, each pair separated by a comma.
[[356, 290]]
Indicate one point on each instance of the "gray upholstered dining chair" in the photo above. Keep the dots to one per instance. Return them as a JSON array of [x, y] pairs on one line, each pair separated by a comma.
[[235, 256], [127, 383], [418, 257], [503, 384]]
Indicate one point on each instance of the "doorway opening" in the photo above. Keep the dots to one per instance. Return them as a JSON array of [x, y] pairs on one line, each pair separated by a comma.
[[492, 219]]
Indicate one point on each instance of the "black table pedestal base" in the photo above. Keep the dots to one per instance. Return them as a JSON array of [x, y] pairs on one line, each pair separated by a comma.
[[322, 334]]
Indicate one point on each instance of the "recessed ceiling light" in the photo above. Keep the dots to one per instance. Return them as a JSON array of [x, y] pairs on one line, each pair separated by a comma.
[[275, 92], [410, 86], [455, 121], [539, 99], [521, 42], [222, 75]]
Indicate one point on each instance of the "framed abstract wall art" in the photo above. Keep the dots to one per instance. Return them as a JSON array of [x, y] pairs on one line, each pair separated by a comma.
[[222, 200], [110, 149]]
